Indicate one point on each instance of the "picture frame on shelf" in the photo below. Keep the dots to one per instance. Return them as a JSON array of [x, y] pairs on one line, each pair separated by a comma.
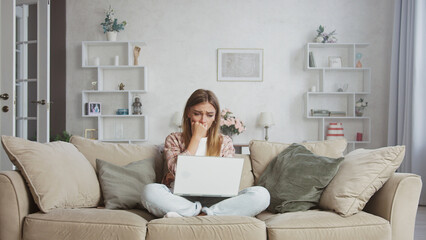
[[240, 65], [90, 133], [93, 108], [335, 62]]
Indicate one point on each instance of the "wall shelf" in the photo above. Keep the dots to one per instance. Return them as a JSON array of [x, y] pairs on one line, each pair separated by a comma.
[[112, 127], [355, 83]]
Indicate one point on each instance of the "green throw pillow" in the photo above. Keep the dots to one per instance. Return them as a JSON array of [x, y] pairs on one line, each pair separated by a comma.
[[122, 185], [296, 178]]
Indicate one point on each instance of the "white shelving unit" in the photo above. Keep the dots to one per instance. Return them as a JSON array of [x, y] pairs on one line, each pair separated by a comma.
[[356, 83], [101, 55]]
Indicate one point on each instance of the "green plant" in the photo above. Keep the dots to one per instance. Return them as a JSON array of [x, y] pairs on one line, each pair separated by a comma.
[[64, 136], [360, 103], [323, 37], [111, 23]]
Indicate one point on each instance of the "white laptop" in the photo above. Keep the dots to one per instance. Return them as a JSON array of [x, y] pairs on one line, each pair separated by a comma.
[[207, 176]]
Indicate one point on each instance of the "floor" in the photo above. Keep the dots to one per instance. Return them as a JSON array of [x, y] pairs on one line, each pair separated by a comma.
[[420, 230]]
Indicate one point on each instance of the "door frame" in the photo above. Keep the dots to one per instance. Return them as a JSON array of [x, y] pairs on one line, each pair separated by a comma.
[[43, 70], [8, 73], [8, 59]]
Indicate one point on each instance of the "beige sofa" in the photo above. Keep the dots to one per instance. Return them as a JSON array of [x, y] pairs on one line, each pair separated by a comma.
[[389, 214]]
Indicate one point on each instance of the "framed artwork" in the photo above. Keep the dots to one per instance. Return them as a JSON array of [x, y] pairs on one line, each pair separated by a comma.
[[93, 108], [334, 62], [241, 65]]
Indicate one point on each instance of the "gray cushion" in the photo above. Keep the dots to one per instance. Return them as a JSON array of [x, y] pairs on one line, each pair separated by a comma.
[[296, 178], [122, 185]]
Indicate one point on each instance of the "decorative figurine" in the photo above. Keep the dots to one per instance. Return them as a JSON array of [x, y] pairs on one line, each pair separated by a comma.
[[342, 87], [121, 86], [137, 106], [358, 59], [94, 85], [136, 52]]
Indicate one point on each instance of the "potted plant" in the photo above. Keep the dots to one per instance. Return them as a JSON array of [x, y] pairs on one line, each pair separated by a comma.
[[111, 26], [323, 37], [64, 136], [360, 105]]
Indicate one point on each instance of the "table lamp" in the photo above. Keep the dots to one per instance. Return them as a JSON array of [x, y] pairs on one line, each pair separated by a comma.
[[177, 119], [266, 120]]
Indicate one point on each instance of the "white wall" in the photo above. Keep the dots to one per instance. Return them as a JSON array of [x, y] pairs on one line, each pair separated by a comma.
[[182, 39]]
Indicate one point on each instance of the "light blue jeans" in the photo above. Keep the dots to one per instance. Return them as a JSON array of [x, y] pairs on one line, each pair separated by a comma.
[[159, 200]]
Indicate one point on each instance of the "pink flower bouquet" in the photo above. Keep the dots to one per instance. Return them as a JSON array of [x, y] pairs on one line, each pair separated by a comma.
[[229, 124]]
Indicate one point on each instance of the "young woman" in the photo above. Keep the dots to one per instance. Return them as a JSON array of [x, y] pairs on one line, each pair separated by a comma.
[[200, 136]]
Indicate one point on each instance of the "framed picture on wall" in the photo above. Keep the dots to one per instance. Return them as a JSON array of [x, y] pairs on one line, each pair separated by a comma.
[[93, 108], [334, 62], [241, 65]]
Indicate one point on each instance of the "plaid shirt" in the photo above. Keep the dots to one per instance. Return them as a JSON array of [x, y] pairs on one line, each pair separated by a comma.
[[175, 146]]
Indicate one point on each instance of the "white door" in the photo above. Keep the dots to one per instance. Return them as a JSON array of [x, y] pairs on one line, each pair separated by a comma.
[[24, 86]]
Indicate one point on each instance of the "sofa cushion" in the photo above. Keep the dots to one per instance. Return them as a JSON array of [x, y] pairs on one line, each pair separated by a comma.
[[296, 178], [361, 174], [86, 224], [314, 224], [247, 179], [262, 152], [206, 227], [119, 153], [58, 175], [122, 185]]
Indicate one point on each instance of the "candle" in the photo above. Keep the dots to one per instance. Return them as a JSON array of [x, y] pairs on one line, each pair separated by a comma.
[[116, 61]]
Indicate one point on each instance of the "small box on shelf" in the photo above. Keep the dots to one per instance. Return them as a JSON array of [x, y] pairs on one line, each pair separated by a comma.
[[320, 113], [338, 114]]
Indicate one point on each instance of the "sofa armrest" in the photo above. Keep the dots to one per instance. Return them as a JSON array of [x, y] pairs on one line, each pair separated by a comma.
[[16, 202], [397, 202]]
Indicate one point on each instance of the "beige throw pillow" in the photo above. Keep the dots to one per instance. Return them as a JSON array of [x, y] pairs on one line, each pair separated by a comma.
[[119, 154], [262, 152], [247, 179], [58, 175], [361, 174]]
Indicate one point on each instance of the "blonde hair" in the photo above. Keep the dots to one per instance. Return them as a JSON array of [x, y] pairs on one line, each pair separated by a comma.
[[214, 139]]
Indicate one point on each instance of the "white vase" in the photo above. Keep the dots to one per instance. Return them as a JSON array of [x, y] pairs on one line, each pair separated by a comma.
[[111, 36]]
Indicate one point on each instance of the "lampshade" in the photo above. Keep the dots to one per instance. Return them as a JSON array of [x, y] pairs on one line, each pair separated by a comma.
[[266, 119], [177, 119]]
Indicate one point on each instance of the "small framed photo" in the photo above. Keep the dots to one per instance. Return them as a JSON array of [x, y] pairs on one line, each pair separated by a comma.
[[241, 65], [335, 62], [90, 133], [93, 108]]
